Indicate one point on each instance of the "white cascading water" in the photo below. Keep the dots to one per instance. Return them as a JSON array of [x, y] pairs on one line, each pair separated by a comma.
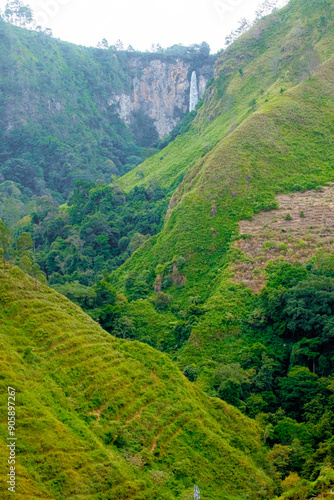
[[193, 92]]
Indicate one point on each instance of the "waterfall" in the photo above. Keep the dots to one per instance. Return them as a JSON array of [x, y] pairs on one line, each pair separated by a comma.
[[193, 92]]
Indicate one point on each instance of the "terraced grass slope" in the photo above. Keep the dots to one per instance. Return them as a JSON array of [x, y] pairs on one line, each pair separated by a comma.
[[102, 418]]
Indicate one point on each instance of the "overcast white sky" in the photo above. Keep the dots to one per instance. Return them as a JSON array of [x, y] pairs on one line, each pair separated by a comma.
[[142, 22]]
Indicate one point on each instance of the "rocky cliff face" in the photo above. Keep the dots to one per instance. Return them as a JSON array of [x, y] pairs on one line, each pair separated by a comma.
[[161, 90]]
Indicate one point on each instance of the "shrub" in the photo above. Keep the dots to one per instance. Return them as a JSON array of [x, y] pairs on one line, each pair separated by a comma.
[[123, 243], [269, 244], [180, 262], [182, 333], [191, 372], [167, 282], [162, 301]]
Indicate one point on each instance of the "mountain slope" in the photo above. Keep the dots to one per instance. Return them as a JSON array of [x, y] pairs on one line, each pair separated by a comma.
[[51, 95], [104, 418], [283, 144]]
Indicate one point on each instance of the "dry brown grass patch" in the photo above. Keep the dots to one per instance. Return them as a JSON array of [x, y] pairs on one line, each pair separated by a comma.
[[302, 225]]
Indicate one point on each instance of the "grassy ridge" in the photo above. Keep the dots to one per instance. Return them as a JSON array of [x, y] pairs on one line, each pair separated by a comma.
[[104, 418], [294, 156]]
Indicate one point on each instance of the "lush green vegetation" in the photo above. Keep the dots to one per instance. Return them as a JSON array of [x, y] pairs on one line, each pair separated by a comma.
[[57, 125], [275, 135], [152, 257], [59, 122], [279, 368], [107, 418], [96, 231]]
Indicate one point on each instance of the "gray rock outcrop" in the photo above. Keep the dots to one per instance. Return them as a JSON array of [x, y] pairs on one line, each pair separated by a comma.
[[160, 89]]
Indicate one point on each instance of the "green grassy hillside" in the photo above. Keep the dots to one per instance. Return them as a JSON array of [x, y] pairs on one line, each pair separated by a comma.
[[281, 143], [104, 418], [278, 52]]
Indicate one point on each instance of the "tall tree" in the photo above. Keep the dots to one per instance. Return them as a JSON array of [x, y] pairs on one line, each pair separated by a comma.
[[119, 45], [19, 14], [24, 243], [103, 44]]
